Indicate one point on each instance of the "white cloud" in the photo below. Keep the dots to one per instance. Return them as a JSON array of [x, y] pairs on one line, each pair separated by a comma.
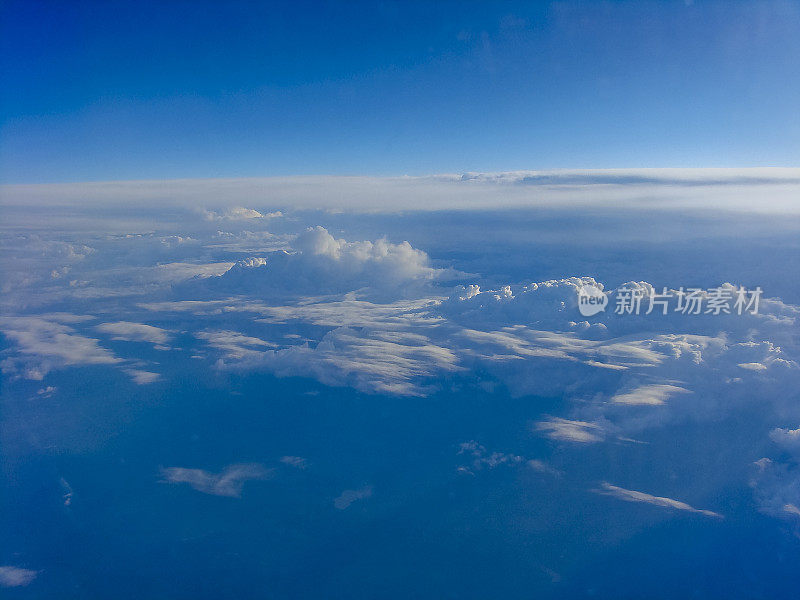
[[375, 314], [135, 332], [376, 361], [788, 439], [142, 377], [699, 188], [238, 213], [229, 482], [16, 576], [235, 345], [565, 430], [648, 395], [46, 344], [607, 489], [347, 497], [322, 264], [776, 483]]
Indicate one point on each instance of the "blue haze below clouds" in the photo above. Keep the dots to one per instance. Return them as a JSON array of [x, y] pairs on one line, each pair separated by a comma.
[[427, 531]]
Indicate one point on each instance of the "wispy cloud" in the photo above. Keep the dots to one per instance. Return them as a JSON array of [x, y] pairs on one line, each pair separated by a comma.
[[614, 491], [16, 576], [142, 377], [566, 430], [295, 461], [648, 395], [135, 332], [347, 497], [228, 482], [700, 188]]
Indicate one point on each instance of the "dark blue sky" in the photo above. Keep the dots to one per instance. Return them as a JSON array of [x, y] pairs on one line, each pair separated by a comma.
[[136, 90]]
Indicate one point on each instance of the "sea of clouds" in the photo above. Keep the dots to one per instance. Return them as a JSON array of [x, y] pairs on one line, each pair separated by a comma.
[[411, 287]]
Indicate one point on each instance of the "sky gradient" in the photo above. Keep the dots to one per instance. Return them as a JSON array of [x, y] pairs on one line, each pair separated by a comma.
[[293, 300], [111, 91]]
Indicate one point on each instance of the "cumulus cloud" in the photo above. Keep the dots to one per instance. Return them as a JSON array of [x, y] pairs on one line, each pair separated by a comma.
[[135, 332], [607, 489], [776, 483], [627, 370], [788, 439], [228, 482], [347, 497], [322, 264], [16, 576]]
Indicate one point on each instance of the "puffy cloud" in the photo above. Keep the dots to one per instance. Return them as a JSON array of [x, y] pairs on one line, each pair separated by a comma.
[[627, 370], [16, 576], [553, 301], [788, 439], [529, 336], [776, 483], [607, 489], [228, 482], [347, 497], [322, 264], [135, 332]]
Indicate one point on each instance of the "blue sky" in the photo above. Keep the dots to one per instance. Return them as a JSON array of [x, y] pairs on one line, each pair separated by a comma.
[[137, 90]]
